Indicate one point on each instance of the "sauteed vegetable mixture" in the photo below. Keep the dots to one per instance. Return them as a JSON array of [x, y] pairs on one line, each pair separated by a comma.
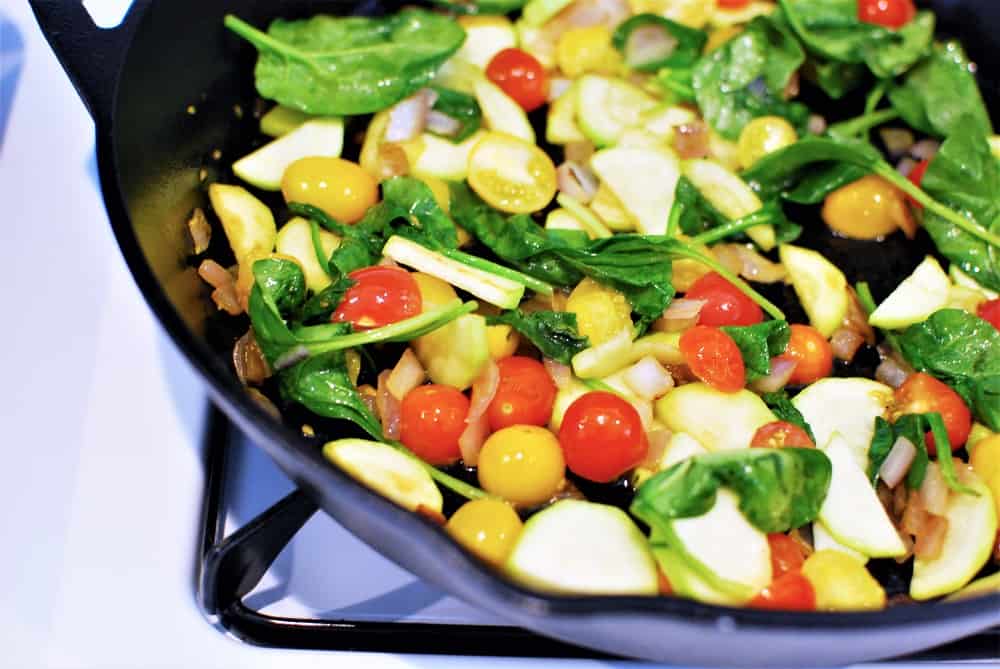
[[554, 330]]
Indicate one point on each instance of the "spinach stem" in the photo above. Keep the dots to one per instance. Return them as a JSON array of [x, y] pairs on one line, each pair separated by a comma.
[[731, 228], [861, 124], [447, 480], [499, 270], [261, 39], [689, 252], [674, 222], [871, 103], [947, 465], [867, 301], [317, 243]]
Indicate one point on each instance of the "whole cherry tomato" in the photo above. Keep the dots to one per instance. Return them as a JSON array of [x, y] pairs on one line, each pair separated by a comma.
[[786, 554], [922, 393], [524, 394], [521, 76], [602, 437], [380, 296], [714, 357], [990, 312], [780, 434], [811, 352], [725, 304], [432, 418], [790, 592], [886, 13]]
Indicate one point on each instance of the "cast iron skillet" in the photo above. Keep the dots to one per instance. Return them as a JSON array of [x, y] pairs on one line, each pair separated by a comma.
[[162, 88]]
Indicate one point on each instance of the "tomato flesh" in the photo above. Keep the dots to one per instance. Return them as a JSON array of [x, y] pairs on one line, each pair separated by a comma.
[[732, 4], [380, 296], [714, 358], [786, 554], [922, 393], [432, 418], [789, 592], [780, 434], [916, 177], [602, 437], [521, 76], [990, 312], [886, 13], [725, 304], [811, 352], [524, 394]]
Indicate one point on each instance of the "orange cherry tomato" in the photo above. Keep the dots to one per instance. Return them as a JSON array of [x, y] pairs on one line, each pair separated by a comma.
[[886, 13], [990, 312], [602, 437], [521, 76], [786, 554], [811, 352], [714, 357], [732, 4], [922, 393], [790, 592], [916, 177], [779, 434], [725, 303], [524, 395], [380, 296], [432, 418]]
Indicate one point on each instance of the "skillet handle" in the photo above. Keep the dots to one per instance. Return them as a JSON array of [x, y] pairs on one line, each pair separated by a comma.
[[91, 56]]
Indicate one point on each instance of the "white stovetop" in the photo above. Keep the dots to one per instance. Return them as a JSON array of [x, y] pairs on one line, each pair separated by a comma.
[[101, 477]]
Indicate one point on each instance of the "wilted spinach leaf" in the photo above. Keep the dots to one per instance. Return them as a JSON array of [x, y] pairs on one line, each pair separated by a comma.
[[682, 45], [781, 170], [884, 438], [461, 107], [759, 343], [554, 333], [781, 406]]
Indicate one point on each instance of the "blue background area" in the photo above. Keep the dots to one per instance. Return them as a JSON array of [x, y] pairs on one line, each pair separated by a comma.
[[11, 62]]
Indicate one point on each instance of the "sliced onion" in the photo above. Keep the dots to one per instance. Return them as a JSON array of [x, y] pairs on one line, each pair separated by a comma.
[[857, 319], [648, 44], [901, 502], [906, 166], [645, 411], [781, 371], [477, 425], [816, 125], [251, 367], [897, 141], [577, 181], [933, 491], [744, 260], [562, 375], [228, 300], [406, 375], [391, 161], [692, 140], [658, 440], [892, 373], [930, 540], [408, 118], [898, 462], [441, 124], [214, 274], [925, 149], [579, 152], [680, 315], [225, 296], [845, 344], [471, 441], [558, 86], [387, 406], [648, 379], [200, 231]]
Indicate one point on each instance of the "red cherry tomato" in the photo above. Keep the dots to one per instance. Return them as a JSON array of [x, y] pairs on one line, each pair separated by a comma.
[[790, 592], [380, 296], [714, 357], [811, 352], [779, 434], [916, 177], [732, 4], [602, 437], [886, 13], [922, 393], [786, 554], [432, 418], [521, 76], [990, 312], [725, 303], [524, 396]]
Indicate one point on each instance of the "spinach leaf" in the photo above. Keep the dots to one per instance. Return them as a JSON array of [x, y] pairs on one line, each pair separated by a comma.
[[940, 95], [816, 185], [746, 78], [779, 489], [759, 343], [833, 78], [677, 83], [461, 107], [481, 6], [554, 333], [279, 288], [781, 406], [962, 350], [322, 304], [778, 171], [884, 438], [695, 214], [349, 65], [682, 45]]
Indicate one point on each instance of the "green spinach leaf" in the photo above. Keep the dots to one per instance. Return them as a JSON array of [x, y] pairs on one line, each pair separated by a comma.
[[554, 333], [677, 83], [759, 343], [781, 406], [481, 6], [461, 107], [682, 45], [884, 438], [816, 185], [833, 78], [779, 171]]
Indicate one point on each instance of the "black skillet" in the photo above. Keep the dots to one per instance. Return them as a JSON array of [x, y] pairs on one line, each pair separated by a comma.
[[168, 89]]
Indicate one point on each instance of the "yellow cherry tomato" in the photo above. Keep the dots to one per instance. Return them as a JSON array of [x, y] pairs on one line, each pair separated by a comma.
[[440, 191], [503, 340], [511, 174], [869, 208], [523, 464], [762, 136], [601, 312], [842, 583], [337, 186], [587, 49], [486, 527], [985, 461], [433, 291]]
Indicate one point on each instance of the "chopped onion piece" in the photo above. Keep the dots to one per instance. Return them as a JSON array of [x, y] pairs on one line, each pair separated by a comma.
[[406, 375], [692, 140], [892, 373], [856, 318], [648, 44], [781, 371], [562, 375], [897, 141], [391, 161], [387, 406], [644, 409], [680, 315], [658, 440], [408, 118], [934, 491], [845, 343], [898, 462], [200, 231], [251, 367], [816, 125], [214, 274], [743, 259], [930, 540], [906, 166], [577, 181], [471, 441], [441, 124], [925, 149], [648, 379], [477, 425]]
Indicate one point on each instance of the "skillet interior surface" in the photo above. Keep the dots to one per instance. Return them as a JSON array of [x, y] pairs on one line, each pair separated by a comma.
[[184, 108]]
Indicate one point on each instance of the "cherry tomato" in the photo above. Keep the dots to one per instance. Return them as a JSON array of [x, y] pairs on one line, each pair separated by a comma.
[[521, 76], [486, 527], [732, 4], [714, 358], [432, 418], [786, 554], [916, 177], [725, 303], [812, 353], [524, 395], [602, 437], [790, 592], [886, 13], [922, 393], [339, 187], [380, 296], [524, 464], [990, 312], [779, 434]]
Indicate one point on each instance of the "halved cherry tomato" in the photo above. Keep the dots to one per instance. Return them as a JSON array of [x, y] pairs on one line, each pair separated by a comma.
[[790, 592], [811, 352], [521, 76], [432, 418], [380, 296], [779, 434], [714, 357], [732, 4], [725, 303], [922, 393], [886, 13], [786, 554], [602, 437], [524, 395], [916, 177], [990, 312]]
